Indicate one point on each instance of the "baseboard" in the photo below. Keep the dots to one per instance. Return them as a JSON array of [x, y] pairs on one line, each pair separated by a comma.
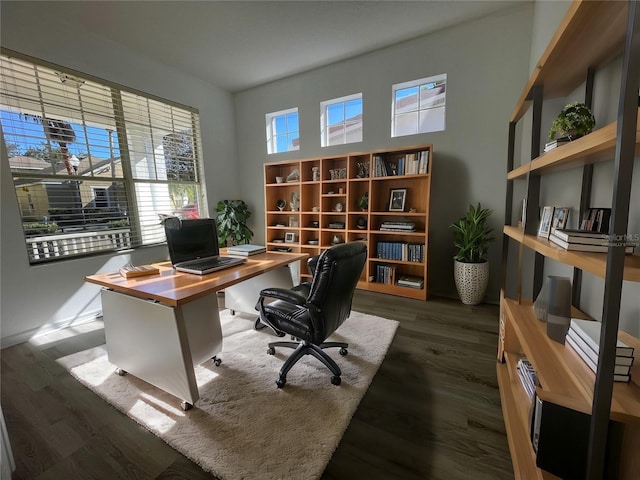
[[22, 337]]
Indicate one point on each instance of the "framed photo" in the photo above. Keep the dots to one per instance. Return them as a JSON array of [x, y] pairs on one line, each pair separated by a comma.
[[398, 199], [560, 216], [545, 222], [290, 237]]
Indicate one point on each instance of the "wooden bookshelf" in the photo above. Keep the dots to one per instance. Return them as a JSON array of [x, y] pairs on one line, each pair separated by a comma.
[[320, 218]]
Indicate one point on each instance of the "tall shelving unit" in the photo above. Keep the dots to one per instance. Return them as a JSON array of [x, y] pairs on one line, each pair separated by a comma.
[[590, 36], [329, 211]]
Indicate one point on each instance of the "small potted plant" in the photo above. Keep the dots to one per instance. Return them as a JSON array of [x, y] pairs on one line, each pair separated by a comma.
[[472, 238], [363, 202], [574, 121], [231, 220]]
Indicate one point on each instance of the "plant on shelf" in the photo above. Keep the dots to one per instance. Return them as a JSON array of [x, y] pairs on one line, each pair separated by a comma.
[[231, 220], [363, 202], [574, 121], [472, 238]]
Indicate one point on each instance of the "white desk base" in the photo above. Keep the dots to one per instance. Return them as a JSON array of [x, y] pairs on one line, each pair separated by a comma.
[[243, 296], [161, 344]]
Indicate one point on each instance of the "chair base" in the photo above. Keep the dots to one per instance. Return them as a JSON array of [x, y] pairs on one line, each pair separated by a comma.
[[303, 348]]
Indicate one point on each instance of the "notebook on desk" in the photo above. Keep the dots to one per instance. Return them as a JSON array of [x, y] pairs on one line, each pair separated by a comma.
[[193, 247]]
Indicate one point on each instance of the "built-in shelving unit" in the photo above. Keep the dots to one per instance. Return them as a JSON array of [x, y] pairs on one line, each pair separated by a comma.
[[592, 34], [329, 189]]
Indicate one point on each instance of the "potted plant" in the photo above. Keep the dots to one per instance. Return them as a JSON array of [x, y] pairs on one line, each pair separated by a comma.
[[574, 121], [363, 202], [231, 220], [472, 238]]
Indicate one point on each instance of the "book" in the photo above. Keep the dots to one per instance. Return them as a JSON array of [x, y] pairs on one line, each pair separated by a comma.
[[589, 331], [410, 281], [596, 219], [556, 143], [585, 351], [569, 235], [598, 247], [246, 249], [130, 271], [617, 375]]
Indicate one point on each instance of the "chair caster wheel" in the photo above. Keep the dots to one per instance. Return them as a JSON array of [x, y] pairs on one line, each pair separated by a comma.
[[217, 361], [271, 351], [232, 312], [343, 351], [186, 406], [335, 380], [120, 372], [280, 382]]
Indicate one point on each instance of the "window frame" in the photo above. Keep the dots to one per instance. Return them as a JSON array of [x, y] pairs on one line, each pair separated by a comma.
[[185, 118], [273, 135], [419, 83], [345, 123]]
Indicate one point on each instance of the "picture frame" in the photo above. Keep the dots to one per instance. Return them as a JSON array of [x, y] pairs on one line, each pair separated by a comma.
[[290, 237], [397, 199], [545, 222], [560, 216]]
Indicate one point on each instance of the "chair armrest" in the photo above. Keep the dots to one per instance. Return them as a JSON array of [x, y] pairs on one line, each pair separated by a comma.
[[284, 294]]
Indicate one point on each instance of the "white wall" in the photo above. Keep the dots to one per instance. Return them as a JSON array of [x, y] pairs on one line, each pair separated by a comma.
[[37, 298], [486, 62]]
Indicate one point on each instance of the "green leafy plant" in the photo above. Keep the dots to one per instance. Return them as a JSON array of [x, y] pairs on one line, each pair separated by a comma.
[[575, 120], [231, 219], [363, 202], [472, 236], [37, 228]]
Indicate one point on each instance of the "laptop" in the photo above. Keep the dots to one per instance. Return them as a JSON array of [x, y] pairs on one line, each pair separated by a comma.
[[193, 248]]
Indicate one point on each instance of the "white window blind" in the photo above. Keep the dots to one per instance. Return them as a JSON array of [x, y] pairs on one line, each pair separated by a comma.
[[95, 168]]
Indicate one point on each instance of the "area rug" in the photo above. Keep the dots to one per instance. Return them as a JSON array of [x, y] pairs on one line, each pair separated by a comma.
[[243, 426]]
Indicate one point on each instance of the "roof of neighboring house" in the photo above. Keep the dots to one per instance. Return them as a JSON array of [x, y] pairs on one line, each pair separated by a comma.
[[21, 163]]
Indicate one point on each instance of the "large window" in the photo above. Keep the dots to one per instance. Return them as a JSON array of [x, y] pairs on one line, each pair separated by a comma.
[[341, 120], [419, 106], [283, 132], [95, 168]]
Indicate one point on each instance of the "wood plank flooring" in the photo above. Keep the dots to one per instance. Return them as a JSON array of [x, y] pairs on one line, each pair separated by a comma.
[[431, 412]]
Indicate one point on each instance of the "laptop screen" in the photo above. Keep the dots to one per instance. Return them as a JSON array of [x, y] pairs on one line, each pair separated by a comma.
[[197, 238]]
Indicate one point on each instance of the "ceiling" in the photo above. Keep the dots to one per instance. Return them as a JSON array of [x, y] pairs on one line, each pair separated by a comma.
[[241, 44]]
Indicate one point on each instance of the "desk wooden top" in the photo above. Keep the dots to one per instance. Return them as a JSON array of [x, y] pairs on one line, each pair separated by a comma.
[[176, 288]]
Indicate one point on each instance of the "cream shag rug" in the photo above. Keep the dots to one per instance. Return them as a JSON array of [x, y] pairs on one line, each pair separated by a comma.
[[243, 426]]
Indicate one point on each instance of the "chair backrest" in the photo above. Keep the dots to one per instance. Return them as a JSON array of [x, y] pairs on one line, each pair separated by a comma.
[[334, 282]]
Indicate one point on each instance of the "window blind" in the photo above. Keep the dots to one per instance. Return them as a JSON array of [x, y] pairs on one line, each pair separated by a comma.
[[95, 167]]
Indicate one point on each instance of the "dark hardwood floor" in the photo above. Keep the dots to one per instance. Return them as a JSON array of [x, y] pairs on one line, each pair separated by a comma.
[[431, 412]]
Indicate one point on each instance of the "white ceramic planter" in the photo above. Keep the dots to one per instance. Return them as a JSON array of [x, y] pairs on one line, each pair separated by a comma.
[[471, 281]]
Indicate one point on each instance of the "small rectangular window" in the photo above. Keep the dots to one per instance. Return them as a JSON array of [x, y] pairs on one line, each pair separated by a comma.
[[283, 132], [341, 120], [419, 106]]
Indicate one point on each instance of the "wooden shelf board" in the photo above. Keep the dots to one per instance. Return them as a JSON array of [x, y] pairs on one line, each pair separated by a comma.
[[595, 263], [574, 48], [564, 377], [598, 146]]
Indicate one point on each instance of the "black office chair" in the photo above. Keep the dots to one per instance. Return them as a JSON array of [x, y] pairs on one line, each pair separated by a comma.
[[312, 312]]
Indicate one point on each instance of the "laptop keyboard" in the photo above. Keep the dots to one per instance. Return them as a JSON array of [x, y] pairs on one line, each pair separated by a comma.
[[206, 264]]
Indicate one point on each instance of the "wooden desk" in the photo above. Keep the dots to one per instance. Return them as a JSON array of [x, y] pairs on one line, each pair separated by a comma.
[[157, 327]]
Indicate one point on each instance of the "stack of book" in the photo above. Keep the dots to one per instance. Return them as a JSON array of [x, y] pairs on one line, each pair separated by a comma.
[[584, 338], [556, 143], [386, 274], [527, 376], [246, 249], [582, 240], [410, 281], [398, 226]]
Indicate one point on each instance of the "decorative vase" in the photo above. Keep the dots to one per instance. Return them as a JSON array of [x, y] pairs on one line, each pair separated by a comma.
[[471, 281]]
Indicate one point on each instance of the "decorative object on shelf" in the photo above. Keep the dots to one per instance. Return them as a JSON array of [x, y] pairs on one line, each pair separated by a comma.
[[337, 239], [363, 169], [545, 222], [314, 224], [293, 222], [553, 306], [337, 173], [231, 221], [339, 207], [337, 225], [363, 202], [295, 201], [315, 209], [313, 242], [281, 204], [290, 237], [472, 237], [279, 179], [294, 176], [341, 190], [397, 199], [362, 223], [574, 121], [315, 174]]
